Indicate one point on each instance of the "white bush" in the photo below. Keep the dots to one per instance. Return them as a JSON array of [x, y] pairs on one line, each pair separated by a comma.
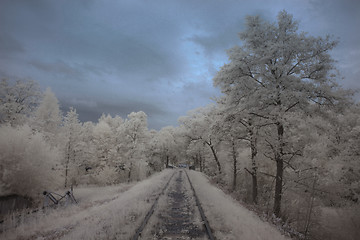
[[26, 162]]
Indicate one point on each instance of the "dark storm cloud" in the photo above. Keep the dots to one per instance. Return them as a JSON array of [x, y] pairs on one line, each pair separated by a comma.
[[217, 41], [59, 68], [88, 109], [65, 70], [9, 45], [155, 56], [127, 41], [341, 19]]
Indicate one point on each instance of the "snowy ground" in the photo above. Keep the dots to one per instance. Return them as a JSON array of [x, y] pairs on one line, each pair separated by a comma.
[[116, 212], [109, 216], [227, 218]]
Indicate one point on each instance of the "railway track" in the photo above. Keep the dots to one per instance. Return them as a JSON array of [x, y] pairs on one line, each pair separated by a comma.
[[151, 211], [203, 217], [177, 219]]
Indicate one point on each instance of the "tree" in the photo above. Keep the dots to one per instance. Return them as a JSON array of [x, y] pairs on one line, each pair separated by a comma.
[[26, 162], [135, 138], [196, 150], [87, 154], [47, 117], [103, 137], [72, 128], [154, 154], [277, 71], [199, 128], [17, 101], [166, 145], [113, 142], [241, 126]]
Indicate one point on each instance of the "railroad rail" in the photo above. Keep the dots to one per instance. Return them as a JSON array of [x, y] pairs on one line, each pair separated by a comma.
[[203, 217], [152, 210]]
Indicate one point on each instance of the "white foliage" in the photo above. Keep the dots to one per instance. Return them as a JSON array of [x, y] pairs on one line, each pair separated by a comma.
[[72, 147], [47, 117], [102, 130], [17, 101], [26, 162], [107, 175]]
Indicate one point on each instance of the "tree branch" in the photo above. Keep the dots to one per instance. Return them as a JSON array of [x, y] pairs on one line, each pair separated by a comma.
[[267, 174], [256, 80], [266, 124], [243, 138], [293, 67], [292, 106], [249, 171], [258, 115]]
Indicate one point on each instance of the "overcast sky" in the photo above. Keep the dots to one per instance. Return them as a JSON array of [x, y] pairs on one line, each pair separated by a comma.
[[158, 56]]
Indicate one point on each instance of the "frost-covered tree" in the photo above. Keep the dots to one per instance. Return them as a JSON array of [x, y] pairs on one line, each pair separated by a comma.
[[48, 118], [86, 155], [72, 130], [26, 162], [234, 127], [103, 140], [107, 142], [199, 128], [154, 153], [278, 70], [17, 100], [135, 139], [196, 150], [166, 145], [341, 133], [114, 140]]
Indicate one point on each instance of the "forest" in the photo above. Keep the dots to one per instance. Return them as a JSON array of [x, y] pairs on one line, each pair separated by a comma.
[[283, 138]]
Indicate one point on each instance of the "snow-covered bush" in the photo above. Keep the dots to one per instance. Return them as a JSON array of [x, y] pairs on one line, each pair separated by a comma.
[[26, 162]]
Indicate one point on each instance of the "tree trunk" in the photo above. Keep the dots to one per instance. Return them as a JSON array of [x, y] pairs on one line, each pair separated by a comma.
[[308, 214], [167, 161], [215, 155], [67, 165], [279, 170], [254, 189], [202, 159], [253, 146], [129, 175], [216, 158], [198, 161], [234, 165]]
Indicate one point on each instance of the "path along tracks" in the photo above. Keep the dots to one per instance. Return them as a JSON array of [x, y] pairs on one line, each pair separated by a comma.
[[177, 219]]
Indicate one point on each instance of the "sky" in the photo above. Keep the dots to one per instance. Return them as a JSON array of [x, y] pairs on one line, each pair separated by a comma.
[[158, 56]]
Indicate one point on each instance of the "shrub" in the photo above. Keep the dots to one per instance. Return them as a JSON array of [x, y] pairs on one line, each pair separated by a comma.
[[26, 162]]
